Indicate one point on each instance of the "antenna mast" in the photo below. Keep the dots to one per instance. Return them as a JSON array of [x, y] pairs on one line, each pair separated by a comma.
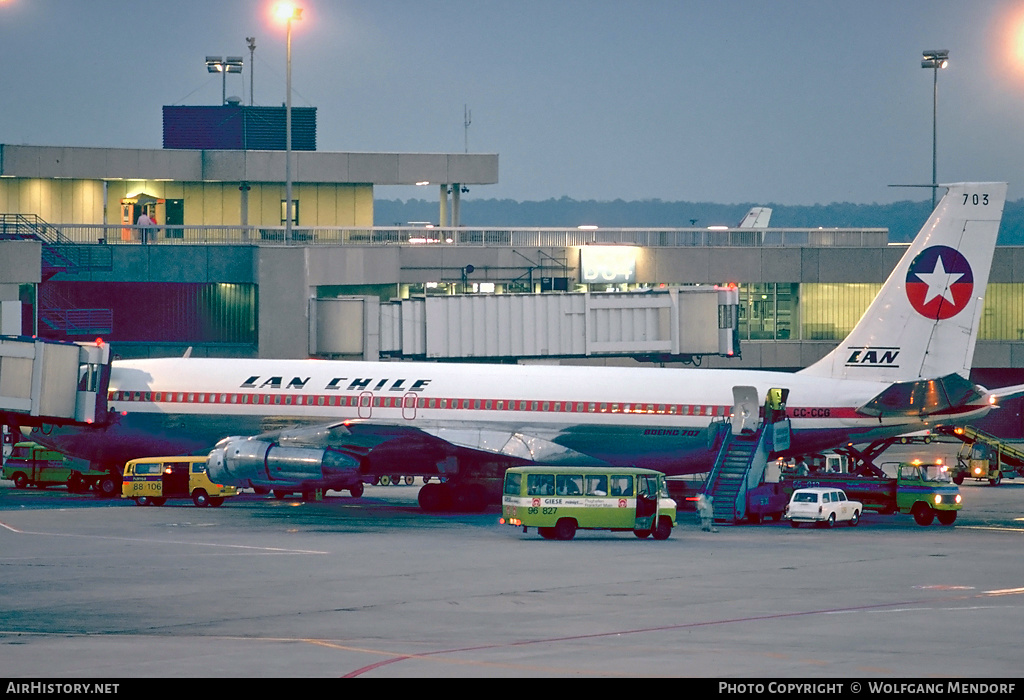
[[252, 51]]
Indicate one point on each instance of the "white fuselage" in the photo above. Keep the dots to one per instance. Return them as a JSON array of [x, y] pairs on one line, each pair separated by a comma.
[[653, 417]]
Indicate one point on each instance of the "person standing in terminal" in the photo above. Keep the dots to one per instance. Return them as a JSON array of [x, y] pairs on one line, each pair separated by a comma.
[[144, 223]]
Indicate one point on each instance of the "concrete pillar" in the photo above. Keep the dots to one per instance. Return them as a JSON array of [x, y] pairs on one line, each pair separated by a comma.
[[443, 220], [456, 201]]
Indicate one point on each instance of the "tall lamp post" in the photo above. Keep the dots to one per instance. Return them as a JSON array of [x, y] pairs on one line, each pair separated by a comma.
[[935, 59], [231, 64], [288, 12]]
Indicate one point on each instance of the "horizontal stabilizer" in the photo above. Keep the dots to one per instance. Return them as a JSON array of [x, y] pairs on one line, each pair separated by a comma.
[[923, 397], [1005, 393]]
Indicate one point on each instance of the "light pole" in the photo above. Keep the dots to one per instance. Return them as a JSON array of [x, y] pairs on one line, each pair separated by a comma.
[[252, 56], [935, 59], [288, 12], [231, 64]]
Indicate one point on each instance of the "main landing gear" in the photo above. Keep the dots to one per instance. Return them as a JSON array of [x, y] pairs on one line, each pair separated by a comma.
[[449, 496]]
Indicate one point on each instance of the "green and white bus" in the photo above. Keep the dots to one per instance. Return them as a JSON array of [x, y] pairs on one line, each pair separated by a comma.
[[560, 500]]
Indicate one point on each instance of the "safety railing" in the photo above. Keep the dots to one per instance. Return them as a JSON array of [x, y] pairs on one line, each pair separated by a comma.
[[463, 236]]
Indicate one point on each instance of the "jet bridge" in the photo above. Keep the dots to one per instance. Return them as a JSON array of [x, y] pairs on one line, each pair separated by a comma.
[[45, 381], [673, 324]]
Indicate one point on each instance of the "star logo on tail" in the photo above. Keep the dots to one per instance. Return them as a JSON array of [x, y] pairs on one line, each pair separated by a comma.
[[939, 282]]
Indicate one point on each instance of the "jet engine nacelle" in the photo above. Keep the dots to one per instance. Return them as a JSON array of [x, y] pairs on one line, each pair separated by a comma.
[[241, 461]]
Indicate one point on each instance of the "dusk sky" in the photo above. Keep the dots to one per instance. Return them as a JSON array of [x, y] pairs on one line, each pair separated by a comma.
[[786, 102]]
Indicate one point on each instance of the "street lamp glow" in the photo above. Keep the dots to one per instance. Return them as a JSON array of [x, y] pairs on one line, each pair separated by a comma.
[[287, 11]]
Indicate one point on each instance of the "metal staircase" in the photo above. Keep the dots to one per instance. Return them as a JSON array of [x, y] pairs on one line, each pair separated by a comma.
[[60, 254], [742, 458], [748, 439]]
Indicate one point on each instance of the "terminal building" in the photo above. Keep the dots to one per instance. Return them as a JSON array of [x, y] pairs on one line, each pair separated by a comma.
[[219, 273]]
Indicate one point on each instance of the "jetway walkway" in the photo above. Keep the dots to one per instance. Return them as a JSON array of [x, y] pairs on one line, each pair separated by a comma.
[[52, 382], [674, 324]]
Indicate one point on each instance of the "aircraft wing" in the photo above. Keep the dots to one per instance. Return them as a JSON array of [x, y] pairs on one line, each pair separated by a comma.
[[342, 451]]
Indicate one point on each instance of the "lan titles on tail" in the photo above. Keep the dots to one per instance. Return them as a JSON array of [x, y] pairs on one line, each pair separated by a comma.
[[299, 425]]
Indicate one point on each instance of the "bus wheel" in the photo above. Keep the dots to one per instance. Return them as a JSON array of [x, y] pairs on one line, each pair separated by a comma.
[[663, 529], [20, 481], [946, 517], [143, 501], [923, 514], [642, 534], [565, 529], [357, 490], [997, 480], [547, 533], [159, 501], [200, 498]]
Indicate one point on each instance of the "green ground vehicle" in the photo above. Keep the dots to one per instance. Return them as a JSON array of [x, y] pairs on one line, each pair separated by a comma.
[[31, 464], [925, 491], [560, 500]]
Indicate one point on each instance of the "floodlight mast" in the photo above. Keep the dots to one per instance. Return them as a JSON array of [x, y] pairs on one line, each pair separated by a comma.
[[935, 59]]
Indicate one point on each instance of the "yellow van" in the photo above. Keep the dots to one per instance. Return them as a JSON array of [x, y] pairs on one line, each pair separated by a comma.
[[152, 480]]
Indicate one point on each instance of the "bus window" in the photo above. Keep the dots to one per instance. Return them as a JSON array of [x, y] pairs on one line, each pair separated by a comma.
[[597, 485], [569, 485], [151, 468], [622, 485], [540, 484], [513, 482]]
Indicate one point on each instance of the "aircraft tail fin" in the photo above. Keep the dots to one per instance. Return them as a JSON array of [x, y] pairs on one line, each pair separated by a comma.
[[757, 217], [924, 321]]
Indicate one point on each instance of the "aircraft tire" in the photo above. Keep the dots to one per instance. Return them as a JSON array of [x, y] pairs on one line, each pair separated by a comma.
[[434, 498], [356, 490], [470, 498]]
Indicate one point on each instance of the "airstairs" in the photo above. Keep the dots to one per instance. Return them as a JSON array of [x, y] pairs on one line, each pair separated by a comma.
[[748, 440]]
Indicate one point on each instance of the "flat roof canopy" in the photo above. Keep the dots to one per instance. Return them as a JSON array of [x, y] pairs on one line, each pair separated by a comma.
[[247, 166]]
